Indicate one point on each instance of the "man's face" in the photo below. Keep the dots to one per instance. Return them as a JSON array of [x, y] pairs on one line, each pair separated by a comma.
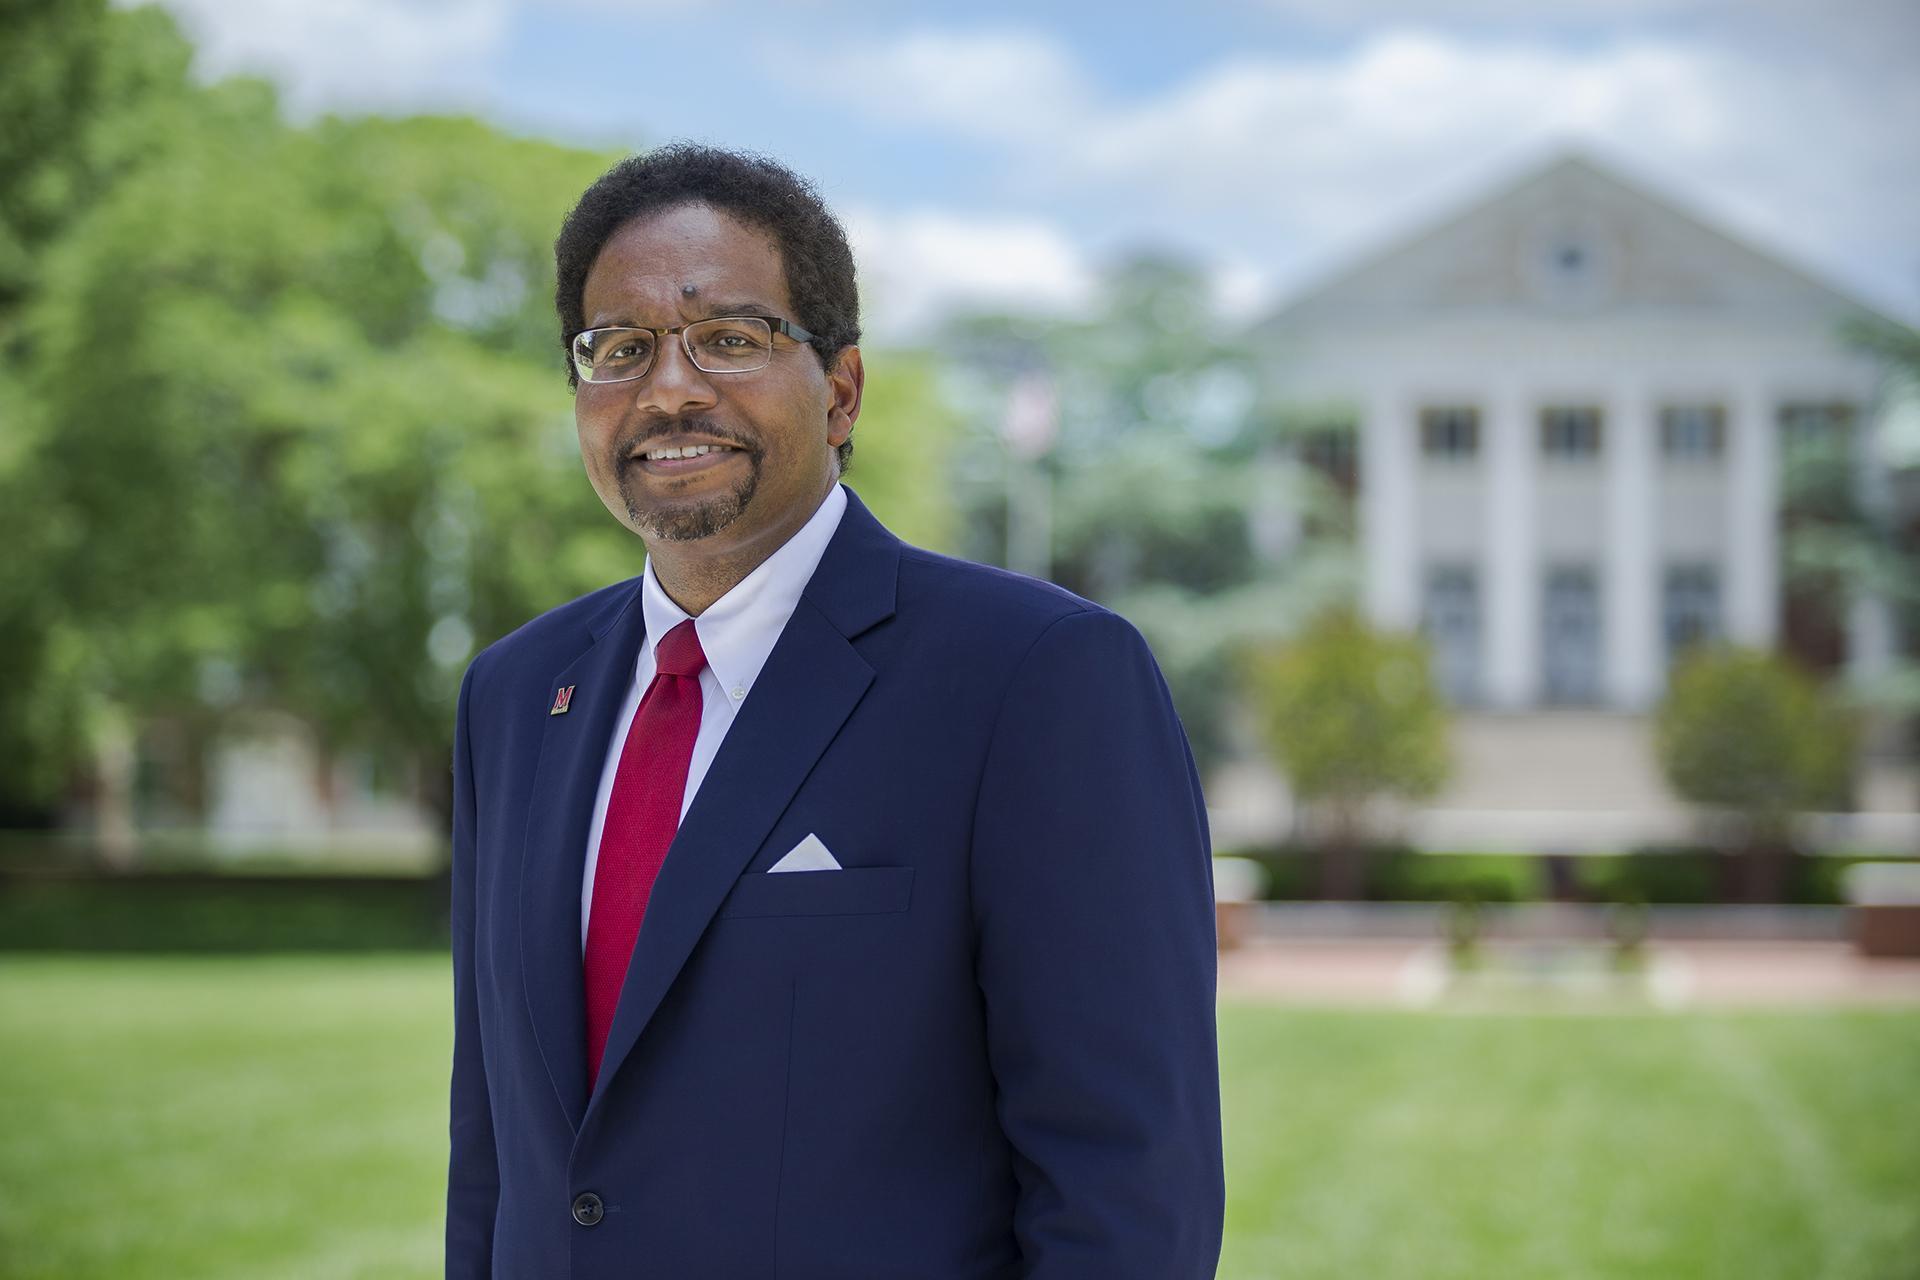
[[776, 428]]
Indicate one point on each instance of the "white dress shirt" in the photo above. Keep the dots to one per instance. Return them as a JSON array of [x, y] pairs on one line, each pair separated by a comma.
[[737, 632]]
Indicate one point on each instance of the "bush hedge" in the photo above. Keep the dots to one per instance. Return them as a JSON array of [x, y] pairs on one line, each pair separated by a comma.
[[1664, 875], [222, 913]]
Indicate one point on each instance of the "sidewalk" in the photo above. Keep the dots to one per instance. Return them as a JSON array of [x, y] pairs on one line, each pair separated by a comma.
[[1411, 973]]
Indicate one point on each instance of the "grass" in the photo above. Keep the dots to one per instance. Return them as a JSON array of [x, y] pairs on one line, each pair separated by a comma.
[[214, 1117], [1563, 1145]]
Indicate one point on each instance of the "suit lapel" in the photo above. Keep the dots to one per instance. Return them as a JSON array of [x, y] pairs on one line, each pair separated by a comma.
[[811, 683], [573, 750]]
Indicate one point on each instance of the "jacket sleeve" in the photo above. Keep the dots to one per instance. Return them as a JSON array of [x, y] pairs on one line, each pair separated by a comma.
[[473, 1176], [1093, 909]]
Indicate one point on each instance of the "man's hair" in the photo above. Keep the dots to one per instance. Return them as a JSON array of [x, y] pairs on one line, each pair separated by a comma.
[[755, 189]]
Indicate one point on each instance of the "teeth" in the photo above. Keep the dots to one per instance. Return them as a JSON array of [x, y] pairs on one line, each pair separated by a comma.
[[695, 451]]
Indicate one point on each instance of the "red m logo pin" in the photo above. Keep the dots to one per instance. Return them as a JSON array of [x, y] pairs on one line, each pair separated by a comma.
[[561, 701]]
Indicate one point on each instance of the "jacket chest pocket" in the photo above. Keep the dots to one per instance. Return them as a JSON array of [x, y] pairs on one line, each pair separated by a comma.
[[850, 891]]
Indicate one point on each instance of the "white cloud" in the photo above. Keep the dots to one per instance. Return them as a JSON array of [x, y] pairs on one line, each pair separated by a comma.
[[1002, 86], [1790, 124], [1369, 12], [1320, 147], [1288, 160], [352, 54], [914, 266]]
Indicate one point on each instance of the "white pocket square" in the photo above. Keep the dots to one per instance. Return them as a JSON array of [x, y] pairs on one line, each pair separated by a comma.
[[808, 855]]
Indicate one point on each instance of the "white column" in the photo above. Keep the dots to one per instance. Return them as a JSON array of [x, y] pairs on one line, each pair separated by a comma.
[[1510, 562], [1630, 574], [1389, 458], [1752, 563]]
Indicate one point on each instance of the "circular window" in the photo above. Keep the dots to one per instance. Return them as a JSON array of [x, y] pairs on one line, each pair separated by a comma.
[[1569, 261]]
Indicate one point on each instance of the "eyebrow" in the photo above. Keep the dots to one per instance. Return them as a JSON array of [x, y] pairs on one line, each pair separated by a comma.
[[625, 320], [740, 309]]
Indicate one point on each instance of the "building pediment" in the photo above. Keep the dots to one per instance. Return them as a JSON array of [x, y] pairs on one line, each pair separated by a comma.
[[1571, 238]]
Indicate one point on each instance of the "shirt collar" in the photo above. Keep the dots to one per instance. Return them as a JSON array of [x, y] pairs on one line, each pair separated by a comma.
[[738, 630]]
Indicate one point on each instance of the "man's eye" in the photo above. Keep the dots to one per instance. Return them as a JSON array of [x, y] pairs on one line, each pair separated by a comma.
[[732, 341]]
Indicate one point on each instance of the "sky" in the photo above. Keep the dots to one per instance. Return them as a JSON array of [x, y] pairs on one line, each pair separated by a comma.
[[998, 154]]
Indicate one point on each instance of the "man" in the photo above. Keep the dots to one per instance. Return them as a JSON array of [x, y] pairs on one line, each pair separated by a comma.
[[822, 907]]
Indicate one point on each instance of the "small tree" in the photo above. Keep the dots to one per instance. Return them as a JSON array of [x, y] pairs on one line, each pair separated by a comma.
[[1351, 713], [1746, 732]]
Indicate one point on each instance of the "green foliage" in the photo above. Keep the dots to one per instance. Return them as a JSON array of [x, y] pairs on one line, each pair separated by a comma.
[[1677, 876], [1688, 875], [1745, 731], [297, 434], [1410, 875], [1876, 551], [218, 913], [85, 94], [1400, 874], [903, 449], [1674, 876], [1351, 713], [1163, 463], [285, 418]]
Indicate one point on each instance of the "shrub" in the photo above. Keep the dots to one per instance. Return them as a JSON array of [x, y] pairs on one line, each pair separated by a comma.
[[1350, 713]]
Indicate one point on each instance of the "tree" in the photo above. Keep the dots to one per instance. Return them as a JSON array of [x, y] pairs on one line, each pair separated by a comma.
[[286, 424], [1350, 714], [87, 95], [1162, 458], [286, 421], [903, 449], [1745, 732], [1865, 541]]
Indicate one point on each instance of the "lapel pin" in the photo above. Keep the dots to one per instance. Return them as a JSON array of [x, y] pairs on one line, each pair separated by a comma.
[[561, 701]]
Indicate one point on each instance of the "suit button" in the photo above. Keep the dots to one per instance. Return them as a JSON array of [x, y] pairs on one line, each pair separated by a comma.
[[587, 1209]]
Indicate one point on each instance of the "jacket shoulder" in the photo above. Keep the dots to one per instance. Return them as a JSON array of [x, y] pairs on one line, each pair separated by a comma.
[[981, 600]]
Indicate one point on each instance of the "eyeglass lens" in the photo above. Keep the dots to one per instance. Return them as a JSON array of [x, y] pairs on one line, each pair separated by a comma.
[[729, 344]]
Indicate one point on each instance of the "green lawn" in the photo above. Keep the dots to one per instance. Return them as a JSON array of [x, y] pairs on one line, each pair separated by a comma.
[[282, 1117]]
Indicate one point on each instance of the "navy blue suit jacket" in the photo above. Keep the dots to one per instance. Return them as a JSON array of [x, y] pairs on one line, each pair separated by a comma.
[[985, 1048]]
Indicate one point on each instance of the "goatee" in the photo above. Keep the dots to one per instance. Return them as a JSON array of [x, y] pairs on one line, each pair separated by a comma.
[[694, 518]]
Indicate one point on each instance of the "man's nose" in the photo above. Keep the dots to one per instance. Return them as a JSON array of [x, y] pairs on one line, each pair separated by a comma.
[[674, 384]]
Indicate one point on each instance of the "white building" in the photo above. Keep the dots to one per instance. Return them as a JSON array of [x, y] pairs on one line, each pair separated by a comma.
[[1570, 405]]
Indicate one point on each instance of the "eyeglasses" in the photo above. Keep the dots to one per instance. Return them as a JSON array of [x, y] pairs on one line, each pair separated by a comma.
[[724, 344]]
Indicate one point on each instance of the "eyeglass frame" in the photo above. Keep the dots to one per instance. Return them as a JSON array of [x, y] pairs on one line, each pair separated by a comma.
[[775, 323]]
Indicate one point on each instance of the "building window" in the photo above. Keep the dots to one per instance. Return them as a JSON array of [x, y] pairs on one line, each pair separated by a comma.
[[1450, 618], [1690, 607], [1331, 451], [1450, 432], [1693, 432], [1570, 432], [1570, 617], [1807, 422]]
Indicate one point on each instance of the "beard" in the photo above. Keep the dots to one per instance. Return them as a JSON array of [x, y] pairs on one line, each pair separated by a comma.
[[690, 519]]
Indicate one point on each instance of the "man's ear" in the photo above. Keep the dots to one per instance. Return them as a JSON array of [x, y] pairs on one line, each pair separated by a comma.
[[846, 381]]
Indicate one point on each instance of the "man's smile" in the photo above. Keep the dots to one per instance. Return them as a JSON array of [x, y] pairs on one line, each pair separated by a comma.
[[684, 455], [666, 461]]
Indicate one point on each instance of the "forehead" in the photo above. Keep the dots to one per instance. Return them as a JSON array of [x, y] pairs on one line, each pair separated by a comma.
[[683, 262]]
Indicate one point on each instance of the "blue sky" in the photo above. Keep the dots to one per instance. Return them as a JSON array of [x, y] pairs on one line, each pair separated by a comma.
[[998, 152]]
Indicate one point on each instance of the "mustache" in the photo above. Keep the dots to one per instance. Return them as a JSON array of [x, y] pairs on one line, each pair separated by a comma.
[[666, 427]]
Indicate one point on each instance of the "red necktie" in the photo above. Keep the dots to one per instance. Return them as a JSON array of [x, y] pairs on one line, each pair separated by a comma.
[[643, 812]]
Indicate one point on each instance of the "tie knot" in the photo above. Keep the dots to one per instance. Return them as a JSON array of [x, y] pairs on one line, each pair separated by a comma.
[[679, 652]]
